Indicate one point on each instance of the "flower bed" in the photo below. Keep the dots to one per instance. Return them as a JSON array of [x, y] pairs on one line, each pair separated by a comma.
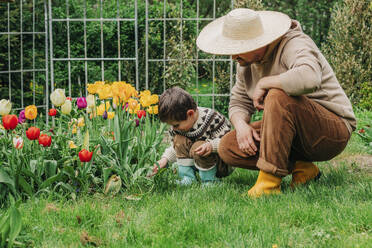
[[105, 142]]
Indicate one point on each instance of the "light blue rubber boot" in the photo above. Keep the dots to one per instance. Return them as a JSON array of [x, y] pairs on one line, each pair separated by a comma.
[[208, 177], [186, 175]]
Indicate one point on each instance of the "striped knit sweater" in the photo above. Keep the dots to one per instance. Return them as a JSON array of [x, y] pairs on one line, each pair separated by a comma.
[[211, 126]]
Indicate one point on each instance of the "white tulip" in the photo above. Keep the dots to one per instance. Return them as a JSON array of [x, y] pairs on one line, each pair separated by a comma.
[[91, 101], [5, 107], [18, 142], [66, 107], [58, 97]]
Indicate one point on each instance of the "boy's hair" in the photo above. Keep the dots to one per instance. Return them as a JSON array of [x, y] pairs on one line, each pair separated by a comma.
[[174, 104]]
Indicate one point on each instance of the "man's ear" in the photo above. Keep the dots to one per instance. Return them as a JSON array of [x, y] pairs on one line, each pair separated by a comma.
[[190, 112]]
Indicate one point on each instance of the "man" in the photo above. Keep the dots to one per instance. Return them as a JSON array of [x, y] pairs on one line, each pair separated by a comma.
[[307, 116]]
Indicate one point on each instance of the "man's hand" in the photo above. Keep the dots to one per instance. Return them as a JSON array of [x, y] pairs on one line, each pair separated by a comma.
[[245, 136], [204, 150], [258, 96], [155, 169], [263, 85]]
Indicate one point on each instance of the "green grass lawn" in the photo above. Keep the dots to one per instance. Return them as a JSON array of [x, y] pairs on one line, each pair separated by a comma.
[[336, 211]]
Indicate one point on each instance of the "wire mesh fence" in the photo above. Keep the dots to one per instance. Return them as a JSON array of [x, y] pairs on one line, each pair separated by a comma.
[[70, 43]]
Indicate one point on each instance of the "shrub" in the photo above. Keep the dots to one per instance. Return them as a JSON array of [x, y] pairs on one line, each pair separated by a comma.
[[349, 49]]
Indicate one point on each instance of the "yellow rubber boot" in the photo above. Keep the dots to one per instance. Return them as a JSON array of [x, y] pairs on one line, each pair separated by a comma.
[[266, 184], [303, 172]]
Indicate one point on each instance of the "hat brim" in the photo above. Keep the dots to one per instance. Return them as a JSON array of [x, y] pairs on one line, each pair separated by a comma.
[[211, 39]]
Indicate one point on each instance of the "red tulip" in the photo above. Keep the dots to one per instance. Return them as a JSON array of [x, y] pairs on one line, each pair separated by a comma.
[[33, 133], [141, 113], [10, 122], [52, 112], [85, 155], [45, 140], [361, 130]]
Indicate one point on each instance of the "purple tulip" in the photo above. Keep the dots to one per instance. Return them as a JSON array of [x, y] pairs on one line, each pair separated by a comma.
[[104, 115], [137, 122], [81, 102], [22, 117]]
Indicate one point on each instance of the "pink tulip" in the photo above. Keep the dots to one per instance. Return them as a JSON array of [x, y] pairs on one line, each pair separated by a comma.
[[81, 102]]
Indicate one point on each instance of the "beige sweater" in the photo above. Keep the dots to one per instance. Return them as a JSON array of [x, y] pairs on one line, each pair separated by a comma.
[[302, 70]]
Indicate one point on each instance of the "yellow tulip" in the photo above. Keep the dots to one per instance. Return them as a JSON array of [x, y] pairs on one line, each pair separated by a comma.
[[31, 112], [110, 115], [74, 129], [71, 144], [104, 92], [145, 93], [101, 108], [153, 110], [5, 107], [135, 110], [58, 97], [81, 122], [132, 103], [154, 99], [145, 100]]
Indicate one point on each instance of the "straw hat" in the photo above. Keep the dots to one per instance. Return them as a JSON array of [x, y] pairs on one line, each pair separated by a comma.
[[241, 31]]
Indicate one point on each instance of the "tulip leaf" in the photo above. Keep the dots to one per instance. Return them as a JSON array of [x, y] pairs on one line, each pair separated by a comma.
[[33, 165], [50, 181], [15, 225], [50, 167], [4, 178], [86, 140], [25, 185]]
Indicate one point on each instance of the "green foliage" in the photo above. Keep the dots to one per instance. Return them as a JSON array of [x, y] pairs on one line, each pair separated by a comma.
[[349, 49], [314, 17], [133, 152], [10, 224]]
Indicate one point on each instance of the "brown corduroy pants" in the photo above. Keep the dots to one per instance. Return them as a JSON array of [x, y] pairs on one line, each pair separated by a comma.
[[292, 128], [185, 149]]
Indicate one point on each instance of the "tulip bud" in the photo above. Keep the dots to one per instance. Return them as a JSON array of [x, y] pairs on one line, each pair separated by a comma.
[[33, 133], [18, 142], [66, 107], [52, 112], [58, 97], [22, 117], [105, 115], [81, 102], [91, 101], [45, 140], [5, 107], [137, 122], [141, 113], [10, 122], [85, 155], [31, 112]]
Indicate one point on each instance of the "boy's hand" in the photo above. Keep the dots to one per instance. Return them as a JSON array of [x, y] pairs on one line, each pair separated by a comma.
[[155, 169], [204, 150]]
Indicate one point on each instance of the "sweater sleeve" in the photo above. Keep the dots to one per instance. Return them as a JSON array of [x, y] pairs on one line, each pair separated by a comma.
[[170, 155], [239, 100], [300, 56]]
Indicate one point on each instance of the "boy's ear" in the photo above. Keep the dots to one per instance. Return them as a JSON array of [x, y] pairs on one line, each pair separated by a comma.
[[190, 112]]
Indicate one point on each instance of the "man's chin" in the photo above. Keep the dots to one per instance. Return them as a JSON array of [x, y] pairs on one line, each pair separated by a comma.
[[244, 63]]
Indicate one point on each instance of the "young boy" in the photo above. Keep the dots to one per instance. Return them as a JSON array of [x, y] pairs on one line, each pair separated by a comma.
[[196, 133]]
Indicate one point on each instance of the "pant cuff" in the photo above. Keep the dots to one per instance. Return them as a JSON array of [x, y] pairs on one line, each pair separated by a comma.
[[265, 166], [185, 161], [204, 169]]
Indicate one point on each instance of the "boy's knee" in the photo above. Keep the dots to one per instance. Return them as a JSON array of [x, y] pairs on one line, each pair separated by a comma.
[[181, 146]]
